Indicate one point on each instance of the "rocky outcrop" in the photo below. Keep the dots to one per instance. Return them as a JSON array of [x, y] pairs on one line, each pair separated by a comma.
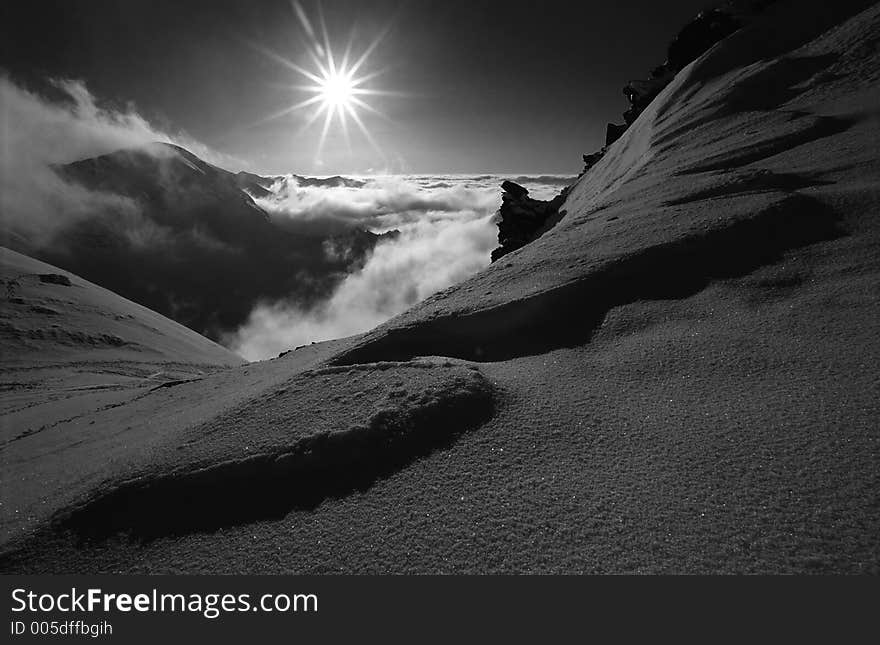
[[592, 160], [640, 93], [701, 33], [613, 132], [522, 219], [697, 37]]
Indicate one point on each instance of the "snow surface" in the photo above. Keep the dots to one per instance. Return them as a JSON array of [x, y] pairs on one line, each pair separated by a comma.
[[681, 376]]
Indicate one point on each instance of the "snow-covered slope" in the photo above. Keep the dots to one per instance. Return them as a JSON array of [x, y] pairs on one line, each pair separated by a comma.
[[680, 376], [735, 157], [50, 315], [69, 349]]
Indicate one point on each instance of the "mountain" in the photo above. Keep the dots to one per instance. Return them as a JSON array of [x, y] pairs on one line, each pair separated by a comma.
[[679, 376], [176, 187], [187, 239]]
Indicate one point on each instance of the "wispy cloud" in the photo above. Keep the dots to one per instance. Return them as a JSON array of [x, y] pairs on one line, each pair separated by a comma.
[[61, 124]]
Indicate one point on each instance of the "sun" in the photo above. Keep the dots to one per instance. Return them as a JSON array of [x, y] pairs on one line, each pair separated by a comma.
[[337, 86], [336, 91]]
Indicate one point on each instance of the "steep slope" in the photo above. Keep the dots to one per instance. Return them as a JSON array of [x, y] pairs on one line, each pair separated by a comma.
[[680, 376], [51, 315], [738, 144], [69, 349]]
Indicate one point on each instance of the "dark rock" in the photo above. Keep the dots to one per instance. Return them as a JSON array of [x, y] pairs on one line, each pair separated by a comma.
[[640, 93], [593, 159], [522, 219], [514, 190], [696, 38], [631, 115], [699, 35], [613, 132]]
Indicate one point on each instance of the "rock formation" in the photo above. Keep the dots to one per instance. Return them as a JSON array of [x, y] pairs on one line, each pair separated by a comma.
[[523, 219], [696, 38], [613, 132]]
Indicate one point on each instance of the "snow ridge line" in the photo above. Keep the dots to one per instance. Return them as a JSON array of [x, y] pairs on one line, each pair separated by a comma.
[[567, 316]]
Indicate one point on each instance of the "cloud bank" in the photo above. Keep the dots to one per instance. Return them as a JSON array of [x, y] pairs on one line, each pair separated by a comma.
[[447, 232], [61, 125]]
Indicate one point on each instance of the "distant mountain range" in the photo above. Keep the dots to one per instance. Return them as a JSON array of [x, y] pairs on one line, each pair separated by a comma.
[[188, 240]]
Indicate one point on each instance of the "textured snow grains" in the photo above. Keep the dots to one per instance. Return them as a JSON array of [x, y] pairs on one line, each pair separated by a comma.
[[298, 455]]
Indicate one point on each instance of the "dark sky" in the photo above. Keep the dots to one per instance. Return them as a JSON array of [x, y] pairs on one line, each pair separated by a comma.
[[490, 86]]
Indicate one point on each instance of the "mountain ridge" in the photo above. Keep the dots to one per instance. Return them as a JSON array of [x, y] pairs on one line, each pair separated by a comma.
[[187, 239]]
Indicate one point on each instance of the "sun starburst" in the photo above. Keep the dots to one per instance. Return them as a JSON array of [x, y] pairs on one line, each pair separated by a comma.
[[338, 86]]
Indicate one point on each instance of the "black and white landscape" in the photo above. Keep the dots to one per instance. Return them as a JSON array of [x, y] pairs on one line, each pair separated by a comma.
[[650, 350]]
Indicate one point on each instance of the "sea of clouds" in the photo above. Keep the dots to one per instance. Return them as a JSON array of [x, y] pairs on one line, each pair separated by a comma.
[[447, 230], [445, 222]]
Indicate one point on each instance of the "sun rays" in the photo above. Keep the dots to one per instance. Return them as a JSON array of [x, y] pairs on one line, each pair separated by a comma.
[[336, 88]]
